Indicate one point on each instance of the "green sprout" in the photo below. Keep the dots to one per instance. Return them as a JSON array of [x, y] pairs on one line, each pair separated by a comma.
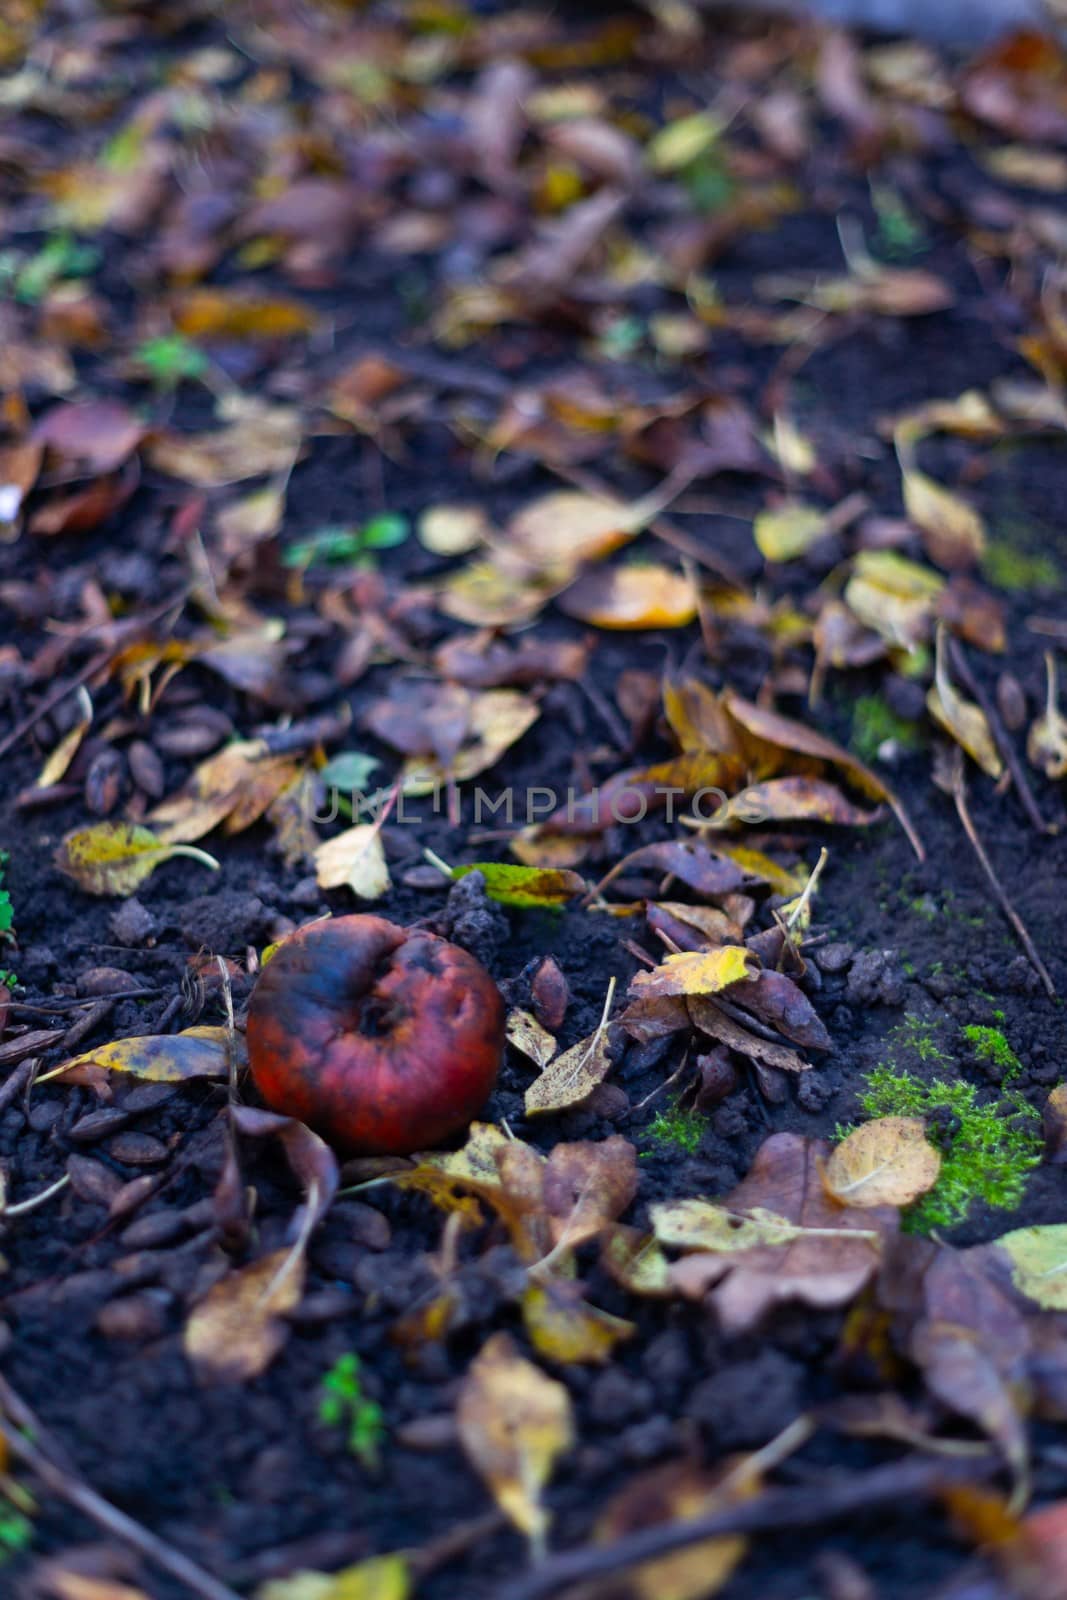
[[345, 546], [61, 257], [7, 910], [343, 1404], [900, 233], [170, 359], [682, 1129]]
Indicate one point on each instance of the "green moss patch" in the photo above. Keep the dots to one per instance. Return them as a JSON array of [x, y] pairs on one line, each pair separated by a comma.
[[1016, 570], [682, 1129], [874, 723], [992, 1049], [987, 1151]]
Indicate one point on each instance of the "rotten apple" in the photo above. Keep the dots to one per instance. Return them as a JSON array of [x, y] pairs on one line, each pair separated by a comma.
[[383, 1039]]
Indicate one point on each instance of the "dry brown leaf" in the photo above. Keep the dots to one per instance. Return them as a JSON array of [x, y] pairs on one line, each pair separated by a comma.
[[717, 1025], [777, 1237], [256, 439], [795, 800], [498, 718], [670, 1493], [888, 1161], [514, 1424], [238, 1328]]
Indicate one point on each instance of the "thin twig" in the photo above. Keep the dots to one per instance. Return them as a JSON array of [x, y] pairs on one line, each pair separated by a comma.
[[1008, 753], [959, 795], [778, 1510], [29, 1442]]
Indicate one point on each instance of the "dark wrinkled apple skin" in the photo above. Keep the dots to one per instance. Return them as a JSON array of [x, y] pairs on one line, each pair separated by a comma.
[[381, 1040]]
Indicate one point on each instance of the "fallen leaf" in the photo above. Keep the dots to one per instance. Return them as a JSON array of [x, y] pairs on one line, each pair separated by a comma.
[[776, 1237], [114, 858], [525, 886], [894, 597], [962, 719], [571, 1077], [95, 435], [696, 973], [526, 1034], [453, 530], [795, 800], [354, 860], [706, 1016], [235, 1332], [675, 1492], [953, 533], [640, 595], [218, 314], [788, 531], [1046, 742], [1039, 1262], [379, 1578], [200, 1052], [564, 1328], [498, 718], [888, 1161], [236, 786], [259, 440], [514, 1424]]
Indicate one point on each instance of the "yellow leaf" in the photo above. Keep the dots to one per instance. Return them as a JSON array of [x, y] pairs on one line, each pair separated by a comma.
[[380, 1578], [487, 594], [960, 718], [563, 1327], [680, 143], [63, 754], [452, 530], [217, 314], [238, 1328], [641, 595], [697, 972], [953, 532], [116, 857], [526, 1035], [354, 860], [514, 1424], [1039, 1263], [788, 531], [571, 1077], [887, 1162], [201, 1052], [893, 596]]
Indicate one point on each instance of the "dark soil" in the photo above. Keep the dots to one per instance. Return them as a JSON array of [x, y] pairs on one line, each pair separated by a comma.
[[246, 1479]]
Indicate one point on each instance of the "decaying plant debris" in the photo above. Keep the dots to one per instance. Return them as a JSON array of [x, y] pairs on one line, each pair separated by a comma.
[[586, 486]]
